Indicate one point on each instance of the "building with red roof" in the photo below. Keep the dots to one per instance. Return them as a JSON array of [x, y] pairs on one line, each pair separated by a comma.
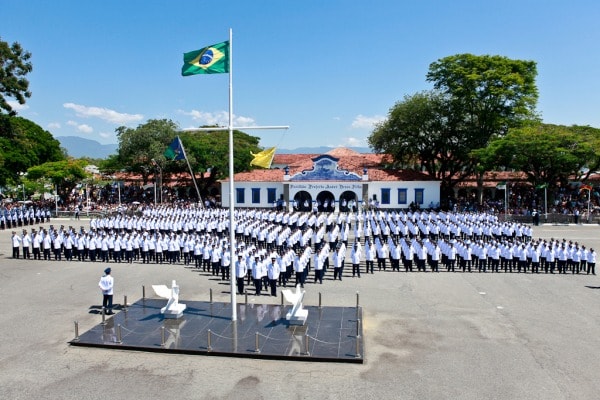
[[339, 180]]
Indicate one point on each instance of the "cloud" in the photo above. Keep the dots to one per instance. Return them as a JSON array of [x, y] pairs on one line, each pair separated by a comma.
[[81, 127], [364, 122], [103, 114], [53, 125], [16, 106], [354, 142], [105, 135], [349, 142], [219, 118], [85, 128], [243, 121]]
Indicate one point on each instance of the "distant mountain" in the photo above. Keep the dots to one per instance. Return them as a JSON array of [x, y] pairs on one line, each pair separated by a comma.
[[80, 147], [320, 150]]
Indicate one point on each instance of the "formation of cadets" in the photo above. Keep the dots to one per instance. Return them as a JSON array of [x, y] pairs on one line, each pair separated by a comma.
[[23, 215], [275, 248]]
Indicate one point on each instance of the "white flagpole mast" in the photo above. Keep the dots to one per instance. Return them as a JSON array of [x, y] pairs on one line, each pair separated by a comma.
[[232, 258], [230, 128], [191, 172]]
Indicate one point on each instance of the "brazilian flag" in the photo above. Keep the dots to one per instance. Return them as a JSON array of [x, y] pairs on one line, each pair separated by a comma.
[[209, 60]]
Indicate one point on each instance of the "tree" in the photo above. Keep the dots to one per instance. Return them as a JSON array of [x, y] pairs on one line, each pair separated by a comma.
[[139, 146], [141, 150], [64, 174], [590, 136], [420, 133], [547, 154], [475, 98], [209, 151], [490, 94], [14, 65], [24, 144]]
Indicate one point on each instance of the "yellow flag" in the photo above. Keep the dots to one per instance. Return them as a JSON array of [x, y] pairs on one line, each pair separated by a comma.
[[264, 158]]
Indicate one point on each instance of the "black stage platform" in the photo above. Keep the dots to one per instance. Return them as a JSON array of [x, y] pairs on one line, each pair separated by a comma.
[[261, 331]]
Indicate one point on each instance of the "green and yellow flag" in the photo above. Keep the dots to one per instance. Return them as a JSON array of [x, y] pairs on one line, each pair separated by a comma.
[[264, 158], [209, 60]]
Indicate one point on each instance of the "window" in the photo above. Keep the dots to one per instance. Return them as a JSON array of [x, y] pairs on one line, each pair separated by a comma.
[[385, 196], [240, 197], [419, 196], [255, 195], [402, 196], [271, 192]]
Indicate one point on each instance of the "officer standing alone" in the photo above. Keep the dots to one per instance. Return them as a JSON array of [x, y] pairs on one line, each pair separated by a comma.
[[106, 285]]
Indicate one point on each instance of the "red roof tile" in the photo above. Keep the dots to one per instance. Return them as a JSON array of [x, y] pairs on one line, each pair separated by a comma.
[[259, 175], [394, 175], [348, 160]]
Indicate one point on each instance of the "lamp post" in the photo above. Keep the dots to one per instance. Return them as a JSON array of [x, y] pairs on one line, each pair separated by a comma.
[[87, 198], [23, 175], [589, 217], [589, 190], [157, 181], [114, 178], [56, 201]]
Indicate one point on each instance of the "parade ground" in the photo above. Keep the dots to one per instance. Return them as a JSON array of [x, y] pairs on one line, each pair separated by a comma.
[[426, 335]]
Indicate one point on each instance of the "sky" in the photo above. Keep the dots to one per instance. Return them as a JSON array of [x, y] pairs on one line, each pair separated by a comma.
[[329, 69]]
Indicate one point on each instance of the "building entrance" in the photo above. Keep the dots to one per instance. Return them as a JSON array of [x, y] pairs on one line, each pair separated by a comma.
[[325, 201]]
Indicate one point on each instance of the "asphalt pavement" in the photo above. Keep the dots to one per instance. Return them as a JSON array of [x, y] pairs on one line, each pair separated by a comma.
[[427, 336]]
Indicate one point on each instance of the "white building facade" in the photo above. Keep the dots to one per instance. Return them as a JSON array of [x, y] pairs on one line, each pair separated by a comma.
[[327, 186]]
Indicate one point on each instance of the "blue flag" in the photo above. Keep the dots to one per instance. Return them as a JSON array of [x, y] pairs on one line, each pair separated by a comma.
[[175, 150]]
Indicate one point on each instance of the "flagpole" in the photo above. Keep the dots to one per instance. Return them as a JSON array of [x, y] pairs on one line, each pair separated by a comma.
[[230, 128], [191, 172], [232, 271], [589, 201]]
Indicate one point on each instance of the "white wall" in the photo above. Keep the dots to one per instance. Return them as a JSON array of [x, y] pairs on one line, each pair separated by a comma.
[[431, 191], [248, 186]]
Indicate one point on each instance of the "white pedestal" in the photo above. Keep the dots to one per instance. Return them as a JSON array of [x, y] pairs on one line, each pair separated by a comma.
[[173, 312], [298, 319]]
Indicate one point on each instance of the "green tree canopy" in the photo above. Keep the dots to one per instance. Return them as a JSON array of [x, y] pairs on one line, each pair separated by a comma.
[[64, 174], [420, 134], [139, 146], [141, 150], [209, 151], [490, 93], [474, 99], [14, 66], [24, 144], [546, 153]]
